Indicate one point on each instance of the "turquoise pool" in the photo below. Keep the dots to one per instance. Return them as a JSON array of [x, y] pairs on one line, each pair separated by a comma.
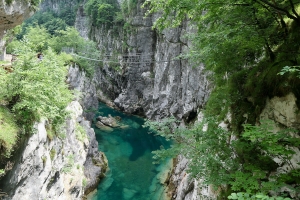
[[128, 149]]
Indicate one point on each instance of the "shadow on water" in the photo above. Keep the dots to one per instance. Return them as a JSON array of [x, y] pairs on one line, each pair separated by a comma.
[[128, 149]]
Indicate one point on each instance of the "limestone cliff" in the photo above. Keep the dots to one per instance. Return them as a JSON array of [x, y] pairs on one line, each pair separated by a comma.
[[147, 79], [14, 13], [11, 15], [56, 167]]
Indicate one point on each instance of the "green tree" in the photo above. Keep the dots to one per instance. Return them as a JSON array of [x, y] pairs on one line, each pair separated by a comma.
[[231, 35], [67, 38], [55, 25], [205, 144], [36, 89], [102, 11], [36, 39], [82, 50]]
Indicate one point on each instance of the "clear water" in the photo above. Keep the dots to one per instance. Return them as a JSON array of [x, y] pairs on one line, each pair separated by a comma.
[[128, 149]]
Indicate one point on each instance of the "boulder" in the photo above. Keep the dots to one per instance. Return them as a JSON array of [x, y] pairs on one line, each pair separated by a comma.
[[108, 121]]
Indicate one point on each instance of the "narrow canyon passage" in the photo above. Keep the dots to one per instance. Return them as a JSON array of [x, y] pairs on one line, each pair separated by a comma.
[[128, 149]]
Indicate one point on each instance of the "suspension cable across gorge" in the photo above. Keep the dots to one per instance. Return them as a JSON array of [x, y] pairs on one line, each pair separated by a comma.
[[111, 61]]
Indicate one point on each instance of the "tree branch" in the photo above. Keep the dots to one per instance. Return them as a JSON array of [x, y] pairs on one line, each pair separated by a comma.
[[286, 12], [293, 9]]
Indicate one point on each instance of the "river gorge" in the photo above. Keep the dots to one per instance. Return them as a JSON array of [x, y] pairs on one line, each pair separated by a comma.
[[133, 72]]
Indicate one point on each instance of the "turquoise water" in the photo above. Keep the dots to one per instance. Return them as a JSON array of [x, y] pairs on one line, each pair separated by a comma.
[[128, 149]]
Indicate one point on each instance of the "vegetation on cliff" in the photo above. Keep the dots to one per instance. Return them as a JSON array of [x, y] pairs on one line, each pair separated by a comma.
[[109, 12], [8, 134], [33, 3], [33, 89], [245, 44]]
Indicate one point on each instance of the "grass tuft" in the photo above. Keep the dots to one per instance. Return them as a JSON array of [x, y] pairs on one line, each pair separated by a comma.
[[9, 132]]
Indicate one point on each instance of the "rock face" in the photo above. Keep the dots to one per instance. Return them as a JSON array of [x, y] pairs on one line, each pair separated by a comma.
[[11, 15], [284, 112], [182, 188], [63, 167], [14, 13], [58, 5], [148, 79], [56, 166]]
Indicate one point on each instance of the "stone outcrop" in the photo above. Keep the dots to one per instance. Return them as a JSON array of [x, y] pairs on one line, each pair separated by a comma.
[[11, 15], [109, 121], [283, 110], [54, 167], [285, 113], [181, 187], [14, 13]]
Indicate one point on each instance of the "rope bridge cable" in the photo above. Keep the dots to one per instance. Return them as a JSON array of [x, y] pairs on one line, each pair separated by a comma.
[[124, 56]]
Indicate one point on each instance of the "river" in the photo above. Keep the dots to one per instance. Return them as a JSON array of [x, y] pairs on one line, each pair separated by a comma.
[[132, 174]]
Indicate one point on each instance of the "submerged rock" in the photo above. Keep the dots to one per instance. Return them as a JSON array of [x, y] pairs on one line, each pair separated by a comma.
[[108, 121], [107, 184], [128, 193]]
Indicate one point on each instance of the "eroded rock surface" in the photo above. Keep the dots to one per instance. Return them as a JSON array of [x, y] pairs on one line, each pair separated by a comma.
[[148, 80], [11, 15], [54, 167], [14, 13]]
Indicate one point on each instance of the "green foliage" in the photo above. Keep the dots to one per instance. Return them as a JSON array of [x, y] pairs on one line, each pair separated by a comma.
[[2, 172], [70, 40], [50, 134], [35, 2], [36, 89], [102, 11], [8, 2], [69, 165], [80, 133], [55, 25], [243, 165], [68, 12], [272, 143], [245, 45], [290, 69], [233, 36], [36, 39], [9, 132], [128, 7], [44, 159], [212, 157], [246, 196], [84, 182], [52, 153], [51, 20]]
